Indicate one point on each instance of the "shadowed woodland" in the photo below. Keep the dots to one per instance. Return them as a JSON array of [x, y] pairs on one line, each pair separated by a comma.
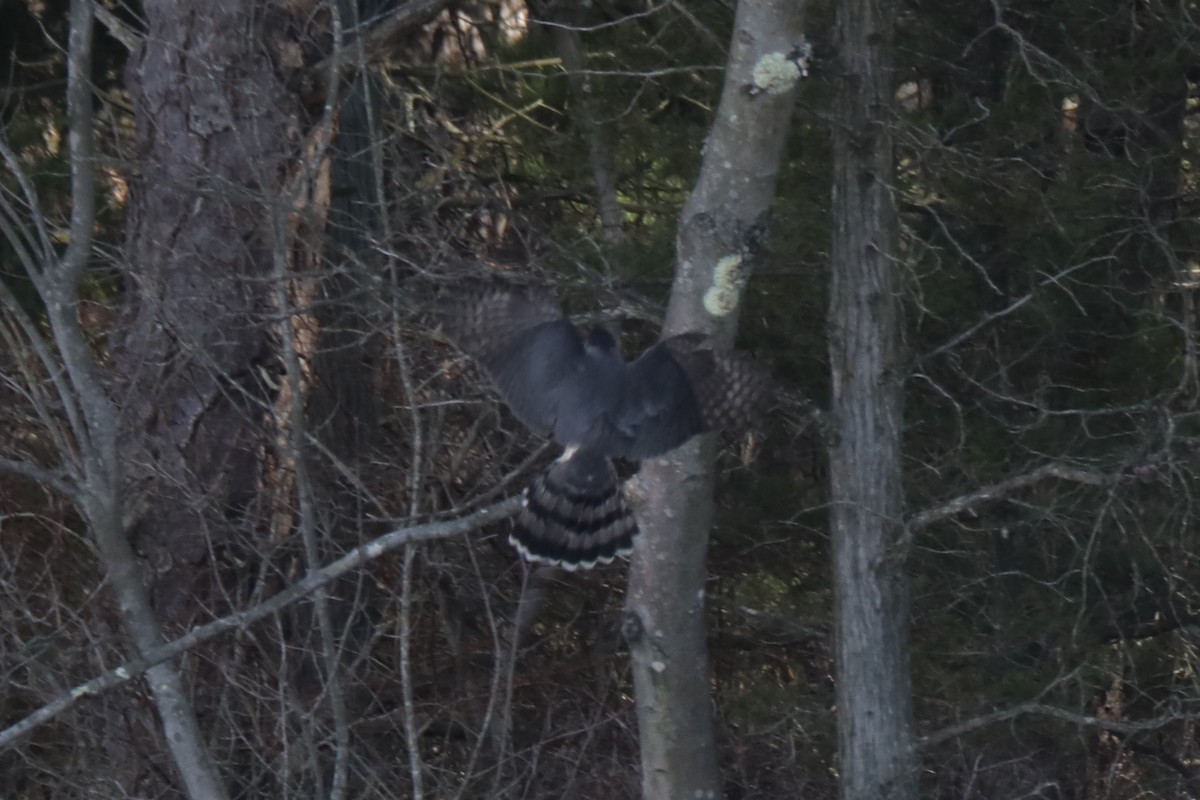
[[255, 507]]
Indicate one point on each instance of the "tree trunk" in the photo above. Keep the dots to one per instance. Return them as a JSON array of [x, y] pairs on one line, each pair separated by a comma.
[[568, 43], [196, 358], [874, 702], [212, 112], [101, 497], [721, 226]]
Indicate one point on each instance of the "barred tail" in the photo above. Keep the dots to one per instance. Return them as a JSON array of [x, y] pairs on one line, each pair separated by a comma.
[[575, 515]]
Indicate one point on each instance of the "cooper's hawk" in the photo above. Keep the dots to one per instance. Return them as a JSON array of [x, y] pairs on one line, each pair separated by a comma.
[[578, 390]]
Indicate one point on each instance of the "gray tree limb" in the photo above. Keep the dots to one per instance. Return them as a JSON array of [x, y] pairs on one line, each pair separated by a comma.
[[1005, 487], [721, 227], [1035, 708], [97, 437], [356, 558]]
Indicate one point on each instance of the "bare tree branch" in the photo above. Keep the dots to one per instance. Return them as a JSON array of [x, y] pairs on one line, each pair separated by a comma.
[[242, 619], [988, 319], [30, 248], [1035, 708], [1008, 485], [54, 480], [97, 437], [374, 43], [82, 146], [116, 28]]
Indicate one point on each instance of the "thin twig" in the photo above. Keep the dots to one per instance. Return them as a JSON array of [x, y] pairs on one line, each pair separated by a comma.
[[996, 490], [241, 619], [1066, 715]]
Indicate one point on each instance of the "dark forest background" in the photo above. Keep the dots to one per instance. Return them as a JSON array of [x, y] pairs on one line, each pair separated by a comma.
[[226, 376]]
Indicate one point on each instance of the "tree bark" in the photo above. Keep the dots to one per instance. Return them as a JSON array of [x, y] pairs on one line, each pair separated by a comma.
[[212, 113], [874, 702], [195, 358], [720, 229], [95, 430]]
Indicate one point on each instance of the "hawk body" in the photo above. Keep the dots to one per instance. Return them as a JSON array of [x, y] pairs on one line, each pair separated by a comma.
[[581, 392]]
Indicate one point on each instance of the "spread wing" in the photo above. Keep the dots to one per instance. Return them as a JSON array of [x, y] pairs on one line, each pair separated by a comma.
[[521, 338], [682, 387], [731, 390], [658, 409]]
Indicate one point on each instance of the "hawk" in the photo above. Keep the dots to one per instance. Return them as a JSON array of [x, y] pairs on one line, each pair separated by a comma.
[[577, 389]]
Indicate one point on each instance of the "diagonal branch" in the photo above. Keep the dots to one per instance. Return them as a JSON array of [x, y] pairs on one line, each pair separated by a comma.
[[1041, 709], [241, 619], [1011, 308], [117, 29], [54, 480], [376, 44], [1008, 485]]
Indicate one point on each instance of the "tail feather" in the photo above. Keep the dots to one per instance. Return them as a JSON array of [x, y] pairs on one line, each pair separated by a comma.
[[575, 515]]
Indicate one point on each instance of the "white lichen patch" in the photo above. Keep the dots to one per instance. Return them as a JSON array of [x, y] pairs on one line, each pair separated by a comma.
[[722, 297], [775, 73]]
